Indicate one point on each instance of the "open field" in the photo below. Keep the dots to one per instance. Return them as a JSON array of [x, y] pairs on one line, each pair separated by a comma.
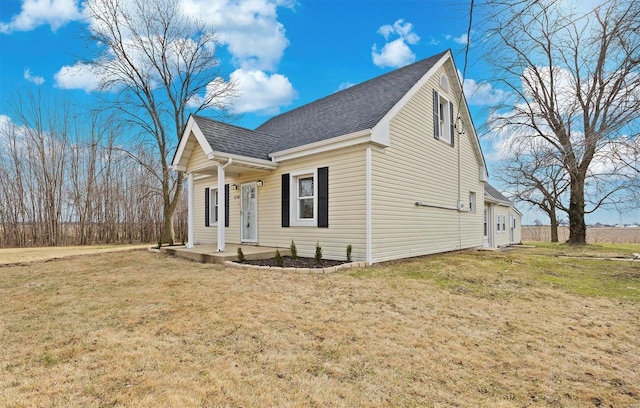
[[499, 329], [594, 235], [38, 254]]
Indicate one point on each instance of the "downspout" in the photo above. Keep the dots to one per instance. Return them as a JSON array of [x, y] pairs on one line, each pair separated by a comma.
[[221, 204], [460, 183], [368, 208]]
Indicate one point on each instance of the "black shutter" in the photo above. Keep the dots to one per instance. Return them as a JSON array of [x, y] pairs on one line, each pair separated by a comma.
[[285, 200], [323, 197], [206, 207], [226, 205], [436, 115], [452, 123]]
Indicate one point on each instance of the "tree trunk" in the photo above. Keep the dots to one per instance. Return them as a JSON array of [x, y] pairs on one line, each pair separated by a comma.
[[554, 225], [577, 225]]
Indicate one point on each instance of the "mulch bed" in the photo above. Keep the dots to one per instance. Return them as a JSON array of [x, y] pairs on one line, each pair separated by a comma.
[[300, 262]]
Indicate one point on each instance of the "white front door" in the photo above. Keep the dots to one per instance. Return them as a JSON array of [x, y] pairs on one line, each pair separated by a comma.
[[487, 226], [249, 213]]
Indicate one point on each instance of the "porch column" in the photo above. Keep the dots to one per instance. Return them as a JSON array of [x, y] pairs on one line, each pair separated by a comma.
[[191, 233], [221, 207]]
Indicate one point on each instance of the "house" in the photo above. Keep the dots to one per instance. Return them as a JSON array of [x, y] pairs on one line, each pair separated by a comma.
[[502, 221], [392, 167]]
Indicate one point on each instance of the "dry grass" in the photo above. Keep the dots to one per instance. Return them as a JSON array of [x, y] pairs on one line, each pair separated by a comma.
[[468, 329], [38, 254]]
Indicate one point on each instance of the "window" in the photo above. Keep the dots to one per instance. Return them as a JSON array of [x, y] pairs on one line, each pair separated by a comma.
[[214, 205], [305, 197], [504, 222], [304, 203], [472, 202], [499, 223], [486, 223], [443, 118]]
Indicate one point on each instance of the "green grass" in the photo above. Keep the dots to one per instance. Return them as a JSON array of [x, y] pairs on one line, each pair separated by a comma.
[[503, 274]]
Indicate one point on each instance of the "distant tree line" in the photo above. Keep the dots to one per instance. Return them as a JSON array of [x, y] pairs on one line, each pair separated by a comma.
[[68, 178]]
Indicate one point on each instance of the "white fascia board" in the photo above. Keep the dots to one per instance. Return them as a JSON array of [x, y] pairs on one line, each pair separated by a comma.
[[484, 176], [192, 127], [381, 131], [178, 167], [351, 139], [240, 160]]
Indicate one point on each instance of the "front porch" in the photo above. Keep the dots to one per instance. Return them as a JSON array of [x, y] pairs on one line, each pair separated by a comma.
[[208, 253]]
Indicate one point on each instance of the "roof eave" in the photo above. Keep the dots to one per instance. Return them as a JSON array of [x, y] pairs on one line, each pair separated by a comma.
[[351, 139]]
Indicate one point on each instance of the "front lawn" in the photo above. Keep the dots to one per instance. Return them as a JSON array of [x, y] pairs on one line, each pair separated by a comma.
[[519, 328]]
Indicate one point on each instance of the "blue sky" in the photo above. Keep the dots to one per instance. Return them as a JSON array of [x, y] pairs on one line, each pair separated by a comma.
[[283, 53]]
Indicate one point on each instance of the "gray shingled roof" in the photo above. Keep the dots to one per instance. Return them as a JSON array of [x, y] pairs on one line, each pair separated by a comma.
[[356, 108], [491, 192], [226, 138]]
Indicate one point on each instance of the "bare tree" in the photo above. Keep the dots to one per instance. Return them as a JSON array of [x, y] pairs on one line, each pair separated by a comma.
[[575, 84], [537, 179], [161, 64]]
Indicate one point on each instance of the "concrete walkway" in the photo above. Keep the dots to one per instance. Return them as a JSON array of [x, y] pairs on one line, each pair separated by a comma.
[[208, 253]]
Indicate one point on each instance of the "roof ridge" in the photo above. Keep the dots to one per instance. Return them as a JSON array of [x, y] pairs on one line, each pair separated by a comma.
[[356, 86]]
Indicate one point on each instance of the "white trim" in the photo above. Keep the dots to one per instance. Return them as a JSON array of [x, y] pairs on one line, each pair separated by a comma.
[[242, 160], [381, 131], [191, 231], [178, 167], [192, 127], [221, 205], [368, 208], [351, 139], [293, 200]]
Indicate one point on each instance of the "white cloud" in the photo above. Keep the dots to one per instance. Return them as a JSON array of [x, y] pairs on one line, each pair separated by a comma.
[[35, 13], [395, 53], [262, 93], [345, 85], [249, 28], [78, 76], [461, 39], [38, 80], [482, 93]]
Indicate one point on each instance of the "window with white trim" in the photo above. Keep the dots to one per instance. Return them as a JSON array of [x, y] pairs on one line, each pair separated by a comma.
[[213, 206], [499, 223], [472, 202], [304, 203], [443, 118], [504, 222]]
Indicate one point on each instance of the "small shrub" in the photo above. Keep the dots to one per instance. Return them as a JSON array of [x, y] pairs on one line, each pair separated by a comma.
[[241, 257], [277, 260], [318, 253], [294, 250], [349, 249]]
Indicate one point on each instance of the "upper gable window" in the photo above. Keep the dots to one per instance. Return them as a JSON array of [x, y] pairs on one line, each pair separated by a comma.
[[444, 82], [443, 118]]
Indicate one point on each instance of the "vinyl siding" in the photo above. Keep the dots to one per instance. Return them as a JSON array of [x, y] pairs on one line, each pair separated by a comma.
[[418, 167], [346, 206], [503, 237]]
